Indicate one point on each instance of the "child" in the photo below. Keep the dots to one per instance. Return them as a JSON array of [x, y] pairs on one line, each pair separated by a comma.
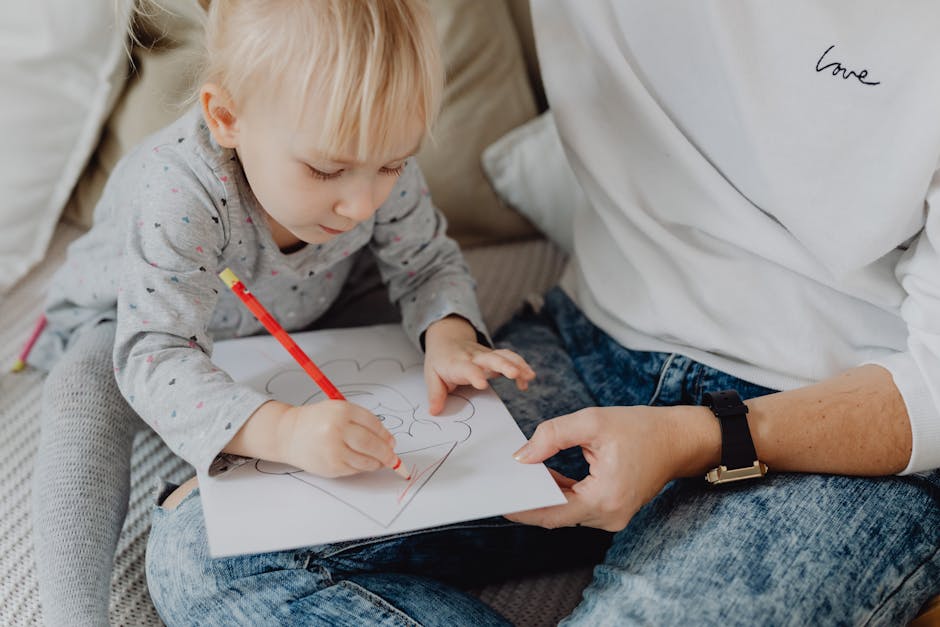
[[297, 158]]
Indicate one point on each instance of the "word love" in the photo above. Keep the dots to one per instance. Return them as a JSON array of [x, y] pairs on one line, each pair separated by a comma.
[[839, 69]]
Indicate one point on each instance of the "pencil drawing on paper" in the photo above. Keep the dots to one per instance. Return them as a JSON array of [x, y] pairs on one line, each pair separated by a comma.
[[423, 442]]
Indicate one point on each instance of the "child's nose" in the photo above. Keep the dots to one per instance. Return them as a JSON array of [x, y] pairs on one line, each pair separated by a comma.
[[358, 205]]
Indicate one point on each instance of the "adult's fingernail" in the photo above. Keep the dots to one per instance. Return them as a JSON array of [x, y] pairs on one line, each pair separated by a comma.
[[522, 454]]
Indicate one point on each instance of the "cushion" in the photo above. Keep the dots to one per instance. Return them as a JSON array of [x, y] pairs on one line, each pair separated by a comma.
[[487, 93], [62, 64], [161, 84], [529, 170]]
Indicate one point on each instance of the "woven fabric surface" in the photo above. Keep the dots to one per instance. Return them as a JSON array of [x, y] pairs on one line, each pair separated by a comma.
[[506, 274]]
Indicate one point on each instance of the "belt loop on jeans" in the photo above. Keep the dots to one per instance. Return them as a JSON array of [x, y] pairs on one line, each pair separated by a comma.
[[662, 376]]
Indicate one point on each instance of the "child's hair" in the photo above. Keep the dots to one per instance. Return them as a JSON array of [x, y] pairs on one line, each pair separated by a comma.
[[376, 62]]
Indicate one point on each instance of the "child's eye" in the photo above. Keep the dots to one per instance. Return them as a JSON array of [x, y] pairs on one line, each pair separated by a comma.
[[324, 176], [392, 171]]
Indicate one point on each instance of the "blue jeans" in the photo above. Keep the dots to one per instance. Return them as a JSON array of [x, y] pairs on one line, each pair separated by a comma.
[[791, 549]]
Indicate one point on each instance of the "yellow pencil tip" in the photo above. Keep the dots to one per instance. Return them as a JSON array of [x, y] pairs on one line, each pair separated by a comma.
[[19, 365]]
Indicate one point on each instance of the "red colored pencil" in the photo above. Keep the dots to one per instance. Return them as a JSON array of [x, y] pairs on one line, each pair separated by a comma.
[[20, 362], [274, 328]]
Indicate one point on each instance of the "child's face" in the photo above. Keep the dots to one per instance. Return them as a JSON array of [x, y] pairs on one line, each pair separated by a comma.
[[312, 195]]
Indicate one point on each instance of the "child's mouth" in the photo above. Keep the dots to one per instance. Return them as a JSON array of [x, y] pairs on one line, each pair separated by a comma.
[[331, 231]]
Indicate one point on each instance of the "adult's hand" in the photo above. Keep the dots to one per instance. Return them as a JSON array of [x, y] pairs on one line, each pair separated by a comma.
[[632, 452]]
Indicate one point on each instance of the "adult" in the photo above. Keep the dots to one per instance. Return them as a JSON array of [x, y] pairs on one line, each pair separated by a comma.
[[762, 182]]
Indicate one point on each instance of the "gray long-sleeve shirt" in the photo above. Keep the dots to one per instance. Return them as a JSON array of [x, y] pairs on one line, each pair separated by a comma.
[[177, 211]]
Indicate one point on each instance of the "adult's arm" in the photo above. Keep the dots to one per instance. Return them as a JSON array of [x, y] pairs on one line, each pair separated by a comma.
[[855, 423]]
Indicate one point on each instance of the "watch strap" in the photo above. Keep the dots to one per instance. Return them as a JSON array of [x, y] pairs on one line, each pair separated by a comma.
[[737, 446]]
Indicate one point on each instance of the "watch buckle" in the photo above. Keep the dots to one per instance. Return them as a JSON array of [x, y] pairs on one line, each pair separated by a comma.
[[722, 474]]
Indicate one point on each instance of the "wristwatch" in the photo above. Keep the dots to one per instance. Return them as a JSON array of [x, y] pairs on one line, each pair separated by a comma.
[[738, 457]]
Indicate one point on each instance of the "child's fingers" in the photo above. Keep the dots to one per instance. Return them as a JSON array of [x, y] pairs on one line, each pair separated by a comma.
[[472, 374], [463, 373], [498, 362], [437, 392], [357, 462], [366, 419], [527, 372], [364, 442], [501, 361]]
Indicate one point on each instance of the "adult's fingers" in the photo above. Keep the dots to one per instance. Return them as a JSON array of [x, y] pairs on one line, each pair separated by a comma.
[[577, 511], [555, 435], [560, 479]]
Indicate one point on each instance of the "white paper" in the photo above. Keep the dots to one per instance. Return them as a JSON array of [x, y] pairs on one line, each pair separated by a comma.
[[460, 460]]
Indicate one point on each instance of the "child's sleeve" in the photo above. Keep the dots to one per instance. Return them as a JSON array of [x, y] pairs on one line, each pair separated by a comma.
[[168, 291], [426, 274]]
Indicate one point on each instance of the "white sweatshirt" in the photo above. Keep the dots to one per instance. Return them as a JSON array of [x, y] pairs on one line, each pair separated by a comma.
[[763, 179]]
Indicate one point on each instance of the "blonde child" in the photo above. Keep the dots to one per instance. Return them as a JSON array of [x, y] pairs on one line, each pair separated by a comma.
[[298, 157]]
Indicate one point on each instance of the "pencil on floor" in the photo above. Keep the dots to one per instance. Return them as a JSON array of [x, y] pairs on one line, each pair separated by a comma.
[[20, 362]]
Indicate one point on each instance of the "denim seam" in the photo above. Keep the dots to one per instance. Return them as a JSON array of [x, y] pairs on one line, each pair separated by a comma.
[[379, 602], [326, 574], [897, 589], [662, 377], [408, 534], [697, 388]]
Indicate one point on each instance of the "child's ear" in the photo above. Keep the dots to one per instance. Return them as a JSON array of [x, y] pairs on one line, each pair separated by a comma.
[[219, 113]]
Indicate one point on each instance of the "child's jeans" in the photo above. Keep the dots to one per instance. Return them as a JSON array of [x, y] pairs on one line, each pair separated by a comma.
[[787, 550]]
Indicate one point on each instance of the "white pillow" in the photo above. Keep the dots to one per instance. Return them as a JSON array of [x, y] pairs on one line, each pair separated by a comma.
[[529, 170], [62, 64]]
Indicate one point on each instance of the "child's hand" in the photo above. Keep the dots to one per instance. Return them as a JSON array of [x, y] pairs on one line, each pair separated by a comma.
[[336, 438], [454, 357]]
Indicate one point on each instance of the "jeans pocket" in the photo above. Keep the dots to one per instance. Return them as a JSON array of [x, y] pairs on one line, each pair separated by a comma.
[[166, 490]]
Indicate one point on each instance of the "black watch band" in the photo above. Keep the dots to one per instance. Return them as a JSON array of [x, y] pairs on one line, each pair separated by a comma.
[[738, 456]]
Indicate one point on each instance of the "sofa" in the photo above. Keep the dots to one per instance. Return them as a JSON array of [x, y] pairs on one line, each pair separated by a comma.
[[498, 210]]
